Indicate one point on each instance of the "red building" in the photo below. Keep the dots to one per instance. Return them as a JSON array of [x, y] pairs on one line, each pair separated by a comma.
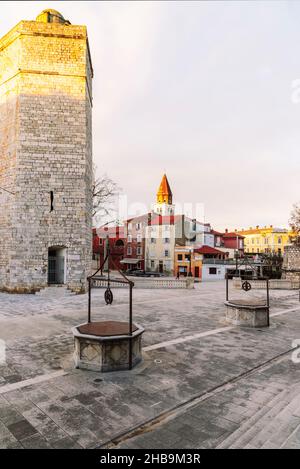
[[233, 240], [211, 253], [116, 239], [134, 250]]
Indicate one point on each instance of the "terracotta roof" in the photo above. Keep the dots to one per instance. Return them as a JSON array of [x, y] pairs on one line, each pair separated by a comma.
[[208, 250], [164, 193], [216, 232], [232, 234]]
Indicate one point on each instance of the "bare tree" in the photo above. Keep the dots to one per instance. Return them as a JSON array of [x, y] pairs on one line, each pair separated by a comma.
[[294, 222], [104, 192]]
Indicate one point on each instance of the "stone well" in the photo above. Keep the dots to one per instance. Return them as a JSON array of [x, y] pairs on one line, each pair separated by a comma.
[[249, 313], [105, 346]]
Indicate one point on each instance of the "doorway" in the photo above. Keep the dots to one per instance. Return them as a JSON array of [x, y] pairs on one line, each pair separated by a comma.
[[56, 266], [196, 271]]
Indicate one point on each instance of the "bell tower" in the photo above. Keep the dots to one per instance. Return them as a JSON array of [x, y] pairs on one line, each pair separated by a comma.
[[164, 198]]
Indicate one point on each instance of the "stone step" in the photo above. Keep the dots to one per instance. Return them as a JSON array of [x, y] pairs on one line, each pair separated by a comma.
[[55, 291], [279, 430], [246, 432]]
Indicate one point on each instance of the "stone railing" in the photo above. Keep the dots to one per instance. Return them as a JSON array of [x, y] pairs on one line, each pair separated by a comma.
[[274, 284], [154, 283]]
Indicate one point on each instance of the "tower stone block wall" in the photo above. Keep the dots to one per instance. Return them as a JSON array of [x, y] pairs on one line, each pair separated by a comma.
[[45, 150], [291, 262]]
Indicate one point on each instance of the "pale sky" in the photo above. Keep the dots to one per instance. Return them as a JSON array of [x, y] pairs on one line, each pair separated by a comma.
[[201, 90]]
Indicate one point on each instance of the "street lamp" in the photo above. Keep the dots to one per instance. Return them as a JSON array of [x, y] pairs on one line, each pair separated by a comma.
[[190, 272], [236, 256]]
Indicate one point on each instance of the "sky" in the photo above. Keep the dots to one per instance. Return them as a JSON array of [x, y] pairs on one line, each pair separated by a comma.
[[208, 92]]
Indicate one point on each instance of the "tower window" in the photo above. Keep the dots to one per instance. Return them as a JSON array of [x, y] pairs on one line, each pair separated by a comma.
[[51, 201]]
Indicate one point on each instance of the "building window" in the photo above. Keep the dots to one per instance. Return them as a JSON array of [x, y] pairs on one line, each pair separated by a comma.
[[167, 240], [129, 250], [166, 253], [139, 265], [279, 240], [212, 270], [153, 240], [139, 250], [139, 238], [179, 257], [130, 226], [129, 238], [152, 264], [187, 257], [137, 226]]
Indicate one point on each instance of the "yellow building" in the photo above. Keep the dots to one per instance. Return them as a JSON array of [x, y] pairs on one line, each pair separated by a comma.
[[266, 239]]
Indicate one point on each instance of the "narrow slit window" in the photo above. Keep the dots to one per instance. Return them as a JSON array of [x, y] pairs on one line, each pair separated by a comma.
[[51, 201]]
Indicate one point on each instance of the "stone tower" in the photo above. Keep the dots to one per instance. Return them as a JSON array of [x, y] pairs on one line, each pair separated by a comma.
[[164, 198], [45, 155]]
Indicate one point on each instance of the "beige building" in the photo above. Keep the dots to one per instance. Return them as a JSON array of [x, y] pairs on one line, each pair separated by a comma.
[[160, 245]]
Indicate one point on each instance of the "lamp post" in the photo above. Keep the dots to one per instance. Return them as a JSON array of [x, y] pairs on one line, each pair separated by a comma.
[[236, 256], [190, 272]]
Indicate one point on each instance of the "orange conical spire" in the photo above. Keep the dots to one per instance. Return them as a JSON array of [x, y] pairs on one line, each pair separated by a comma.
[[164, 193]]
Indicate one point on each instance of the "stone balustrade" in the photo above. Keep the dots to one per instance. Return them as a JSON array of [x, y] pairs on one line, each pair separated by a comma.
[[155, 283]]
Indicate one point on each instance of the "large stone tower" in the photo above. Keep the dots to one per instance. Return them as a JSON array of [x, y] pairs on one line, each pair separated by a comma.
[[45, 155]]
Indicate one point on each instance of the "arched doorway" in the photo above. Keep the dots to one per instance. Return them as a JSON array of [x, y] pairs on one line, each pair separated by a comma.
[[57, 265], [119, 243]]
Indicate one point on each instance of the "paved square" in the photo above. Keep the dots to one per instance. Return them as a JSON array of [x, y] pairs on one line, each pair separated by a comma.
[[201, 384]]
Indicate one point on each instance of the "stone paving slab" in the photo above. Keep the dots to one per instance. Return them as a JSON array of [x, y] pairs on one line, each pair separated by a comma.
[[87, 409]]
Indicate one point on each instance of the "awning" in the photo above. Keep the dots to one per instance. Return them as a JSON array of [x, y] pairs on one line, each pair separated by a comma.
[[130, 261]]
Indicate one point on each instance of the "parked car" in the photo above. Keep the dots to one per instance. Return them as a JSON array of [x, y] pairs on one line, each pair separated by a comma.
[[152, 274], [135, 272], [142, 273]]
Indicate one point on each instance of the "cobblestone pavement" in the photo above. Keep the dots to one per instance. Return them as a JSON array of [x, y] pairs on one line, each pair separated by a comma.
[[201, 383]]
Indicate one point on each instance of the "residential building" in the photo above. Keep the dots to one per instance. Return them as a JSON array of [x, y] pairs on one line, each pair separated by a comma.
[[187, 262], [230, 243], [115, 236], [160, 244], [190, 260], [265, 239], [135, 242]]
